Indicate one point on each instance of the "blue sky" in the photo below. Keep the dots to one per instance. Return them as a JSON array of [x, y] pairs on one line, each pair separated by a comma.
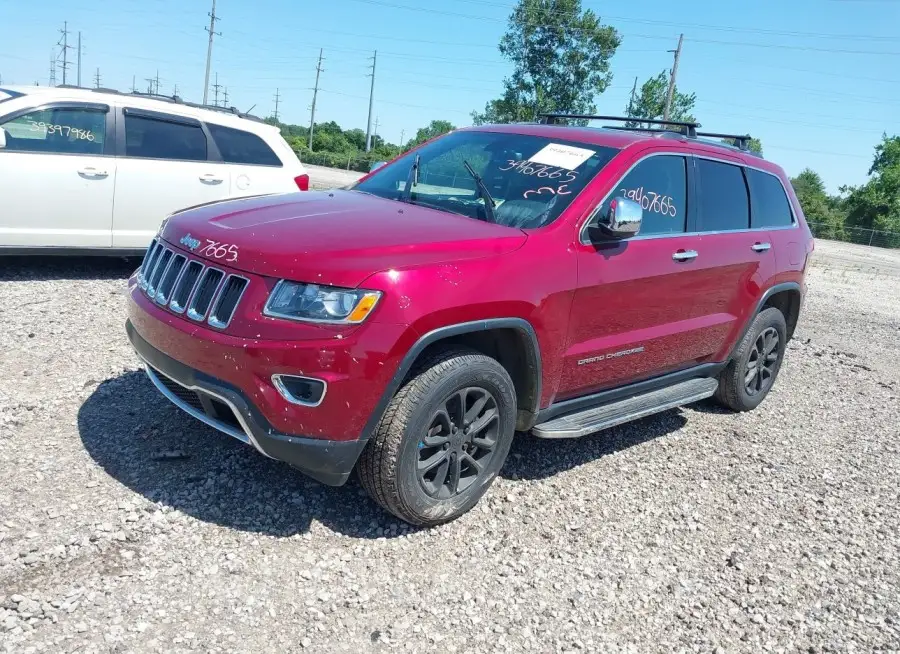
[[817, 80]]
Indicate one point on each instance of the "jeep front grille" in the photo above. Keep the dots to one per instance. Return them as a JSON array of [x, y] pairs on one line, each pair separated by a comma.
[[187, 285]]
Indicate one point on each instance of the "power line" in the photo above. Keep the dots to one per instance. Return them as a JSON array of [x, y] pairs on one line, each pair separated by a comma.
[[312, 113], [538, 23], [371, 99], [707, 26], [212, 32]]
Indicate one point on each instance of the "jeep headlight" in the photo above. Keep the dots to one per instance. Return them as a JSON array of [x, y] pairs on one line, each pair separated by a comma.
[[317, 303]]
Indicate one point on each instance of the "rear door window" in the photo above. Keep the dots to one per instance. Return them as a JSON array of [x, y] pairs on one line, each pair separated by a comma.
[[723, 203], [659, 185], [57, 130], [769, 206], [153, 138], [240, 147]]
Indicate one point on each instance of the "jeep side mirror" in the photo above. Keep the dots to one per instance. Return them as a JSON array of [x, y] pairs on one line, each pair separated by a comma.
[[621, 219], [2, 138]]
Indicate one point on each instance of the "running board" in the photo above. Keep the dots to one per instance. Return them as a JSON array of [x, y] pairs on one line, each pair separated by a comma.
[[589, 421]]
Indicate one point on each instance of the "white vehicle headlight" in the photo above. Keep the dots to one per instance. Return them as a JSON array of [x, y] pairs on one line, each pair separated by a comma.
[[317, 303]]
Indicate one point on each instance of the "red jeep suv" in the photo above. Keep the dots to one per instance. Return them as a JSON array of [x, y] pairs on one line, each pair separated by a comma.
[[534, 277]]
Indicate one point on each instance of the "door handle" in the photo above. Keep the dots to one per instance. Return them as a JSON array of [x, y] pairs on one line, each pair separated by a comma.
[[210, 178], [760, 247], [684, 255], [89, 171]]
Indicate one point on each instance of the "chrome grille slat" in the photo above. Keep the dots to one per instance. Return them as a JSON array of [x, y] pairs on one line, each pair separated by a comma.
[[205, 295], [153, 256], [167, 281], [182, 284], [185, 286], [146, 261], [225, 305], [165, 256]]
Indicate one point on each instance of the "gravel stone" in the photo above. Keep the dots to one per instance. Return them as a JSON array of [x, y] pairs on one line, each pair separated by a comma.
[[696, 530]]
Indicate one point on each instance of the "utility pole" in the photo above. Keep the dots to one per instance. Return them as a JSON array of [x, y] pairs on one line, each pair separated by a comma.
[[402, 132], [216, 88], [375, 133], [277, 101], [97, 79], [672, 78], [175, 91], [64, 45], [225, 97], [371, 98], [212, 32], [79, 58], [153, 84], [52, 68], [312, 113], [133, 87]]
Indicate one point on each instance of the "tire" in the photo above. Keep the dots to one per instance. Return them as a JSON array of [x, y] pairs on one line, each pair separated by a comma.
[[430, 403], [744, 383]]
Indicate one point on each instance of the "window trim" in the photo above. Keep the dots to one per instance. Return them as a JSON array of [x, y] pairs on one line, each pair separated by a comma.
[[212, 151], [109, 144], [221, 158], [582, 231]]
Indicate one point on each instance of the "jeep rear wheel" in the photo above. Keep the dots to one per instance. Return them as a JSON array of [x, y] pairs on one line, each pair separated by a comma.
[[757, 359], [442, 440]]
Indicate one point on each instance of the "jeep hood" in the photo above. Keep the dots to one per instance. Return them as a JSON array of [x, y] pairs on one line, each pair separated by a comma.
[[334, 237]]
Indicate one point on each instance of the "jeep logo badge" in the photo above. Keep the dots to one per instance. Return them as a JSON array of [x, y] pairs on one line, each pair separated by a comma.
[[189, 242]]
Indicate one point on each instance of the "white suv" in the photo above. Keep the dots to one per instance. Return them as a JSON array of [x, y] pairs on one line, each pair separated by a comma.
[[97, 171]]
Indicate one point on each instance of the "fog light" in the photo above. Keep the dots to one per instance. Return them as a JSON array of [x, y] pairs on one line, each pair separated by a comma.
[[305, 391]]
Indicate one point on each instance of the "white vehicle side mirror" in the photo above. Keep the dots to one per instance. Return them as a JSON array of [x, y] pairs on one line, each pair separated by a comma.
[[2, 138]]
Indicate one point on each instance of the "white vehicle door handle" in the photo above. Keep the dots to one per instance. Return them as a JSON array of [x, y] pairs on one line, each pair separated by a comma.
[[684, 255], [210, 178], [760, 247], [90, 171]]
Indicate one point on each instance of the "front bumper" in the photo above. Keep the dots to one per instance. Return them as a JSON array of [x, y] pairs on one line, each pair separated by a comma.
[[226, 408]]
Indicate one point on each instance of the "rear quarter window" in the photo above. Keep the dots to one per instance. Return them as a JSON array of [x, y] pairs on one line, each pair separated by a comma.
[[240, 147], [769, 206]]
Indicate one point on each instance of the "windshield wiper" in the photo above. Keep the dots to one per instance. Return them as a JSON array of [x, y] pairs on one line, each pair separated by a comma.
[[412, 179], [483, 191]]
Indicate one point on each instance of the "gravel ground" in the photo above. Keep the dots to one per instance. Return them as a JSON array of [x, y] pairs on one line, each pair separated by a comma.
[[126, 526], [321, 177]]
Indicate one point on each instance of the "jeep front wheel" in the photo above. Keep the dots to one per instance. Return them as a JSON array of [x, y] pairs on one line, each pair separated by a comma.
[[442, 440]]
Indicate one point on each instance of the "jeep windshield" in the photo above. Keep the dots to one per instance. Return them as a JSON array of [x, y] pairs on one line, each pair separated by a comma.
[[531, 179]]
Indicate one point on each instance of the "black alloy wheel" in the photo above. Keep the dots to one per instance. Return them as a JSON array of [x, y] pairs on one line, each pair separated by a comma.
[[459, 443], [761, 364]]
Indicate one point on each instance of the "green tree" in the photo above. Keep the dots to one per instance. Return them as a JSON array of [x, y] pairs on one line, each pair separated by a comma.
[[650, 102], [430, 131], [560, 55], [876, 204], [822, 211]]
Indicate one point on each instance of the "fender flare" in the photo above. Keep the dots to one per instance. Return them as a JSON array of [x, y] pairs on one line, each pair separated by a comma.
[[448, 331], [769, 292]]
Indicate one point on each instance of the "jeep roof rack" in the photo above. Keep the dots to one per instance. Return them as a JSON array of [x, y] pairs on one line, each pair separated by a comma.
[[688, 129], [684, 129], [175, 99]]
